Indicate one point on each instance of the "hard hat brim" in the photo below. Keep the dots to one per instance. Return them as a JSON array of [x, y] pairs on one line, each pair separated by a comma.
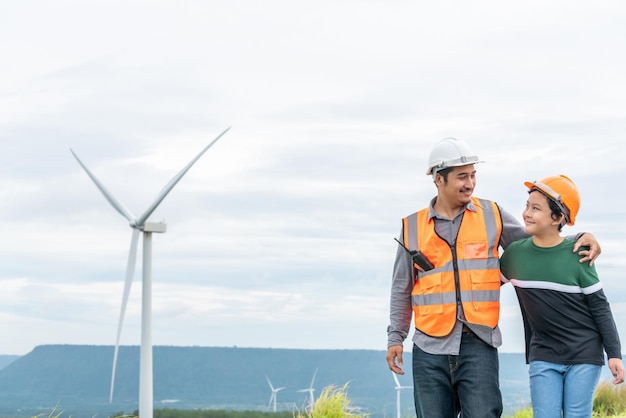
[[468, 161], [552, 195]]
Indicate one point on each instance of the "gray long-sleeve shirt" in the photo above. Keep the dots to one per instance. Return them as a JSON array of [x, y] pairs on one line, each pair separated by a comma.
[[403, 276]]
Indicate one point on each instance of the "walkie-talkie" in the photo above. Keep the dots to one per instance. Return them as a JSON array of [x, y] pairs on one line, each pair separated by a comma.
[[418, 258]]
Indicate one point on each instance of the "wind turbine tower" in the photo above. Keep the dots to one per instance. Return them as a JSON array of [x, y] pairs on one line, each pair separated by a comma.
[[272, 402], [310, 390], [399, 389], [140, 224]]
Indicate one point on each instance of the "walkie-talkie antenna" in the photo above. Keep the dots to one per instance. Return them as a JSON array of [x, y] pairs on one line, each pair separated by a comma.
[[418, 258]]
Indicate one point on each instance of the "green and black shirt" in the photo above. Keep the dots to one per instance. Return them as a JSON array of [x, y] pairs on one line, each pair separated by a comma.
[[567, 317]]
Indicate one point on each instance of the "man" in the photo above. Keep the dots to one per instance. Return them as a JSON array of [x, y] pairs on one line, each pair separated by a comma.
[[454, 301]]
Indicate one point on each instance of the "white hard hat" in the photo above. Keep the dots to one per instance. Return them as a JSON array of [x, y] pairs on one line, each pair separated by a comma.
[[450, 152]]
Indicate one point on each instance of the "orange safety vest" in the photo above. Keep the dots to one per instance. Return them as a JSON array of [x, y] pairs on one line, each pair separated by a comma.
[[468, 271]]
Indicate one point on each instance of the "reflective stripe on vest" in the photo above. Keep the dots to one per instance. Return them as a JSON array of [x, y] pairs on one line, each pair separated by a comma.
[[434, 295]]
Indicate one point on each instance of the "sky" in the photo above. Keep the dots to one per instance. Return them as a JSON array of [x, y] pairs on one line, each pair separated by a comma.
[[281, 235]]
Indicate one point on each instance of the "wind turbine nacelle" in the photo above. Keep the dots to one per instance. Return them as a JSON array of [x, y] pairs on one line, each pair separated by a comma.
[[158, 227]]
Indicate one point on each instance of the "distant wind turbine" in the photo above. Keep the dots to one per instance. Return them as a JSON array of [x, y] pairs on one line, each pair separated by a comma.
[[272, 402], [310, 390], [137, 225], [399, 389]]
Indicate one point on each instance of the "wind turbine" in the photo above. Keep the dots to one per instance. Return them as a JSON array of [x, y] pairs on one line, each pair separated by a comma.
[[139, 224], [310, 391], [399, 389], [275, 391]]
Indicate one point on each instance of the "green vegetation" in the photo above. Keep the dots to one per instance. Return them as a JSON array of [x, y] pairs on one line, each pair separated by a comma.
[[209, 413], [609, 402], [52, 414], [524, 413], [332, 403]]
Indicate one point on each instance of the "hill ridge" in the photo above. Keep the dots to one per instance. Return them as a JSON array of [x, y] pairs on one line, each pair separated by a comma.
[[77, 377]]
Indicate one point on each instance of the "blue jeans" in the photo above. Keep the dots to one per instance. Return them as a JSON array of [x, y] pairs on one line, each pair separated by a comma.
[[562, 388], [444, 386]]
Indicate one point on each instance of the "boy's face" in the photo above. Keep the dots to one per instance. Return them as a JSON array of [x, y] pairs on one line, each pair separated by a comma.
[[538, 215]]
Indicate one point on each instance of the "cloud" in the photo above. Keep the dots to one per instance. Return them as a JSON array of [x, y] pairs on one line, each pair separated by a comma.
[[281, 235]]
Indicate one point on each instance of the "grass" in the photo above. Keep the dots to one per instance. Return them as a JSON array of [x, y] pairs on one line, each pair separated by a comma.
[[333, 402], [609, 402], [52, 414], [524, 413]]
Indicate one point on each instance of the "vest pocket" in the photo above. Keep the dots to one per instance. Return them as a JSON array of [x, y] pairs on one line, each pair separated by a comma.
[[429, 297], [485, 291], [475, 250]]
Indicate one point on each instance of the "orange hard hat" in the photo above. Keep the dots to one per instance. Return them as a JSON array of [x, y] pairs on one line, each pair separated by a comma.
[[562, 191]]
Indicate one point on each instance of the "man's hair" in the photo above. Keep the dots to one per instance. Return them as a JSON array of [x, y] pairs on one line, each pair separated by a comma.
[[444, 173]]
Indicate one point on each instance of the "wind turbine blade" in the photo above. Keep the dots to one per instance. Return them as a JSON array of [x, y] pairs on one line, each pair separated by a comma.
[[313, 380], [169, 186], [117, 205], [396, 379], [270, 383], [130, 272]]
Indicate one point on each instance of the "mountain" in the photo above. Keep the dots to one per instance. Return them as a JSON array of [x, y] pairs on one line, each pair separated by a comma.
[[6, 359], [77, 379]]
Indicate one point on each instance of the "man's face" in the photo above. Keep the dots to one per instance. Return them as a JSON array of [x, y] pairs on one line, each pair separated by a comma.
[[460, 185]]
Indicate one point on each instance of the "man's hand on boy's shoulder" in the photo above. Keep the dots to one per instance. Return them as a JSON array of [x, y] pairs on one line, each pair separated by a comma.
[[588, 248]]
